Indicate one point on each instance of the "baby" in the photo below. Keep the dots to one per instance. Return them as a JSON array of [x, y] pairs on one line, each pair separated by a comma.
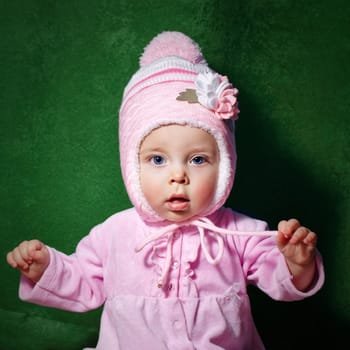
[[172, 271]]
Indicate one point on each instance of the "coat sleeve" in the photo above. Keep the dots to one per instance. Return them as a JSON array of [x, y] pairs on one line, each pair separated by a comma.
[[267, 269], [71, 282]]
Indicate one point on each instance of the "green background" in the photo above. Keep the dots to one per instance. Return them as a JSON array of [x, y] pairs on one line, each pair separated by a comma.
[[63, 67]]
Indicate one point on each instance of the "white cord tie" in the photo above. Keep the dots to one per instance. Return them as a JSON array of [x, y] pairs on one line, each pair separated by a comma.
[[203, 225]]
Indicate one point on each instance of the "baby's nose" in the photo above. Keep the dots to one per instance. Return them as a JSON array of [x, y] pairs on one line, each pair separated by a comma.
[[179, 176]]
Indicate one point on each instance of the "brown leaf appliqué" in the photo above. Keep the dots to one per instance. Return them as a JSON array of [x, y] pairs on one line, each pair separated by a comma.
[[188, 95]]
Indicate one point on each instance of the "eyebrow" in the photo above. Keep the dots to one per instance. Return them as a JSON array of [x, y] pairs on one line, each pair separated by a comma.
[[151, 149]]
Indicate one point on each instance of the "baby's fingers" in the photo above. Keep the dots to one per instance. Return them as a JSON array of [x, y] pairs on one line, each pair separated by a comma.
[[22, 256], [41, 255], [34, 246], [17, 260], [11, 260], [299, 235], [288, 227], [304, 235], [310, 239]]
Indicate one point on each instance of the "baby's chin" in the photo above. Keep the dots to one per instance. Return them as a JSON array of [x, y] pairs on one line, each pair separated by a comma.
[[179, 216]]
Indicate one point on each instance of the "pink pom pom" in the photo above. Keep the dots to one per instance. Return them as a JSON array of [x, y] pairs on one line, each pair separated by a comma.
[[172, 44]]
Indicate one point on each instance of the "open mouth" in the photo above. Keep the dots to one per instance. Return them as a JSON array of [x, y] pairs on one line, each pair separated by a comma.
[[177, 203]]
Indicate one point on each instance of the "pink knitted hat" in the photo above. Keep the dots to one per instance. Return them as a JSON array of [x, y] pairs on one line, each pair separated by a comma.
[[174, 85]]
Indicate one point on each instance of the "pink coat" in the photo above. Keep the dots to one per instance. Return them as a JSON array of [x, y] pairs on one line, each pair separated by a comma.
[[202, 306]]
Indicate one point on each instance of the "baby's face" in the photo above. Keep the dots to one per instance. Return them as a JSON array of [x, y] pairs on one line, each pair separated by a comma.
[[178, 171]]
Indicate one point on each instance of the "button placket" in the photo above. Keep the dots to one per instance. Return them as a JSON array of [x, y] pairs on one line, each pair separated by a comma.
[[171, 288], [189, 255]]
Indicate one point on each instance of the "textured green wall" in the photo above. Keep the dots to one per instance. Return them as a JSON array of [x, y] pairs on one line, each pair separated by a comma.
[[63, 66]]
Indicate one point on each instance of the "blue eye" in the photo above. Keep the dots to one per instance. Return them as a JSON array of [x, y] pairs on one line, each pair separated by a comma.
[[197, 160], [157, 160]]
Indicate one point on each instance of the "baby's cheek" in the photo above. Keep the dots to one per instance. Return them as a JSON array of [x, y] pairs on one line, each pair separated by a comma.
[[204, 195]]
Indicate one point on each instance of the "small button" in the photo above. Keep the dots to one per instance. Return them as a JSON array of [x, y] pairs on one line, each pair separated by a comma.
[[175, 264]]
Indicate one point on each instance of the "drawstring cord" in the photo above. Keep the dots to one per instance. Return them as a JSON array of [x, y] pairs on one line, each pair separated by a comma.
[[202, 225]]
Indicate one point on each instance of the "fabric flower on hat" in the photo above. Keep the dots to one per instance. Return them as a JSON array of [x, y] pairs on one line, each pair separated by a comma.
[[216, 93]]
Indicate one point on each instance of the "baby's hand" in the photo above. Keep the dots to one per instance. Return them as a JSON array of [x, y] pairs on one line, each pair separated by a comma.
[[31, 258], [297, 243]]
